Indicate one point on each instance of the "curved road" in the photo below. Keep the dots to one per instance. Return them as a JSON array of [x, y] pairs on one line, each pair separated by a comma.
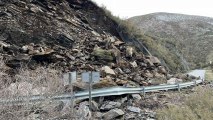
[[198, 73]]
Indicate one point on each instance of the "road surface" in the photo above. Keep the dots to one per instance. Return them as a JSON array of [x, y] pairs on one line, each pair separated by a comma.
[[198, 73]]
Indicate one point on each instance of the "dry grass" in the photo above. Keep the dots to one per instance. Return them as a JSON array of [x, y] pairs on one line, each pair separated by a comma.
[[41, 81], [209, 75], [4, 78], [198, 106], [27, 82], [47, 78]]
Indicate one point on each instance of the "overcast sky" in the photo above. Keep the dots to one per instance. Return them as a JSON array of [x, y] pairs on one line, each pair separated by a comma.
[[129, 8]]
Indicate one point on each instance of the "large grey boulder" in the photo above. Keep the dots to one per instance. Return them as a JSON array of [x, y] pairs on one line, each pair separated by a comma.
[[110, 105], [133, 109], [112, 114], [83, 112], [136, 97], [174, 81], [108, 70]]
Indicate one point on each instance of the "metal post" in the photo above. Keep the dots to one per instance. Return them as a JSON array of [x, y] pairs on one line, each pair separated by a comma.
[[195, 82], [90, 90], [144, 91], [178, 87], [202, 81], [72, 100]]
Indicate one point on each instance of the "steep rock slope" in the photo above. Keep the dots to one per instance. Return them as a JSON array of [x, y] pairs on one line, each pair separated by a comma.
[[188, 37], [45, 37], [71, 35]]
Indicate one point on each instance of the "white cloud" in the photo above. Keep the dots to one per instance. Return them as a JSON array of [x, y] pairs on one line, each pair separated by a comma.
[[129, 8]]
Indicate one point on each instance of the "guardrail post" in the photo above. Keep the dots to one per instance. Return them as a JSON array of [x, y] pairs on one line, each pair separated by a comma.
[[90, 90], [195, 82], [144, 91], [202, 81], [178, 87], [72, 96]]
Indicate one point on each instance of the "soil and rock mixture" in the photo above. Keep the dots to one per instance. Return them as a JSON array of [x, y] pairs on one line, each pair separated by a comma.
[[72, 35]]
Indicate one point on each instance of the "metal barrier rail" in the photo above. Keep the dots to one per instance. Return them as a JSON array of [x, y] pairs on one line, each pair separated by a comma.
[[113, 91]]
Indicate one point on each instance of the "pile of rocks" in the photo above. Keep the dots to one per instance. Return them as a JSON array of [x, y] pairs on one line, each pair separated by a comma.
[[75, 35], [121, 108], [43, 33]]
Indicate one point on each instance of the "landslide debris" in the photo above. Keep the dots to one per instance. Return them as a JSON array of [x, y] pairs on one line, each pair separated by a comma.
[[71, 35]]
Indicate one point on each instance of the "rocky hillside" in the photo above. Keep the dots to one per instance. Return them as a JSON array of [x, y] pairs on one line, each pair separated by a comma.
[[71, 35], [42, 39], [189, 38]]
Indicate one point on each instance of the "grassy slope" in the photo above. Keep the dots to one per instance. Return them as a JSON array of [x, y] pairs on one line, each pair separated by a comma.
[[197, 106], [188, 38], [209, 75]]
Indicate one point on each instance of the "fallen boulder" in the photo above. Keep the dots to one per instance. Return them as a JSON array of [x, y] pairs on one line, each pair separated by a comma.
[[112, 114], [133, 109], [108, 105], [174, 81], [107, 70], [101, 54]]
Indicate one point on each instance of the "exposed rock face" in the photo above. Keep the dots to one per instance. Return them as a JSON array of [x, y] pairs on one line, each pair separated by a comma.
[[57, 34]]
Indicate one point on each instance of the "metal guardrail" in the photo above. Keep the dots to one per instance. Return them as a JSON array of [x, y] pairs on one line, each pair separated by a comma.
[[98, 93]]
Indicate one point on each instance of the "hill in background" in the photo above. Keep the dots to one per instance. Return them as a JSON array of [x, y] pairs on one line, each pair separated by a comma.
[[187, 39]]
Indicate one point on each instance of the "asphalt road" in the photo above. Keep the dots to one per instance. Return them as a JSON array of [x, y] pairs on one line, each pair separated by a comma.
[[198, 73]]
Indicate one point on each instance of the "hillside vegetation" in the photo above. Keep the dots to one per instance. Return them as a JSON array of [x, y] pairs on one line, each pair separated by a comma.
[[147, 44], [188, 38], [197, 106]]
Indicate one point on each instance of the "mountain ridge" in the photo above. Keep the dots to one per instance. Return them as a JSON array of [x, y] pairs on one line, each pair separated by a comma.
[[190, 34]]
